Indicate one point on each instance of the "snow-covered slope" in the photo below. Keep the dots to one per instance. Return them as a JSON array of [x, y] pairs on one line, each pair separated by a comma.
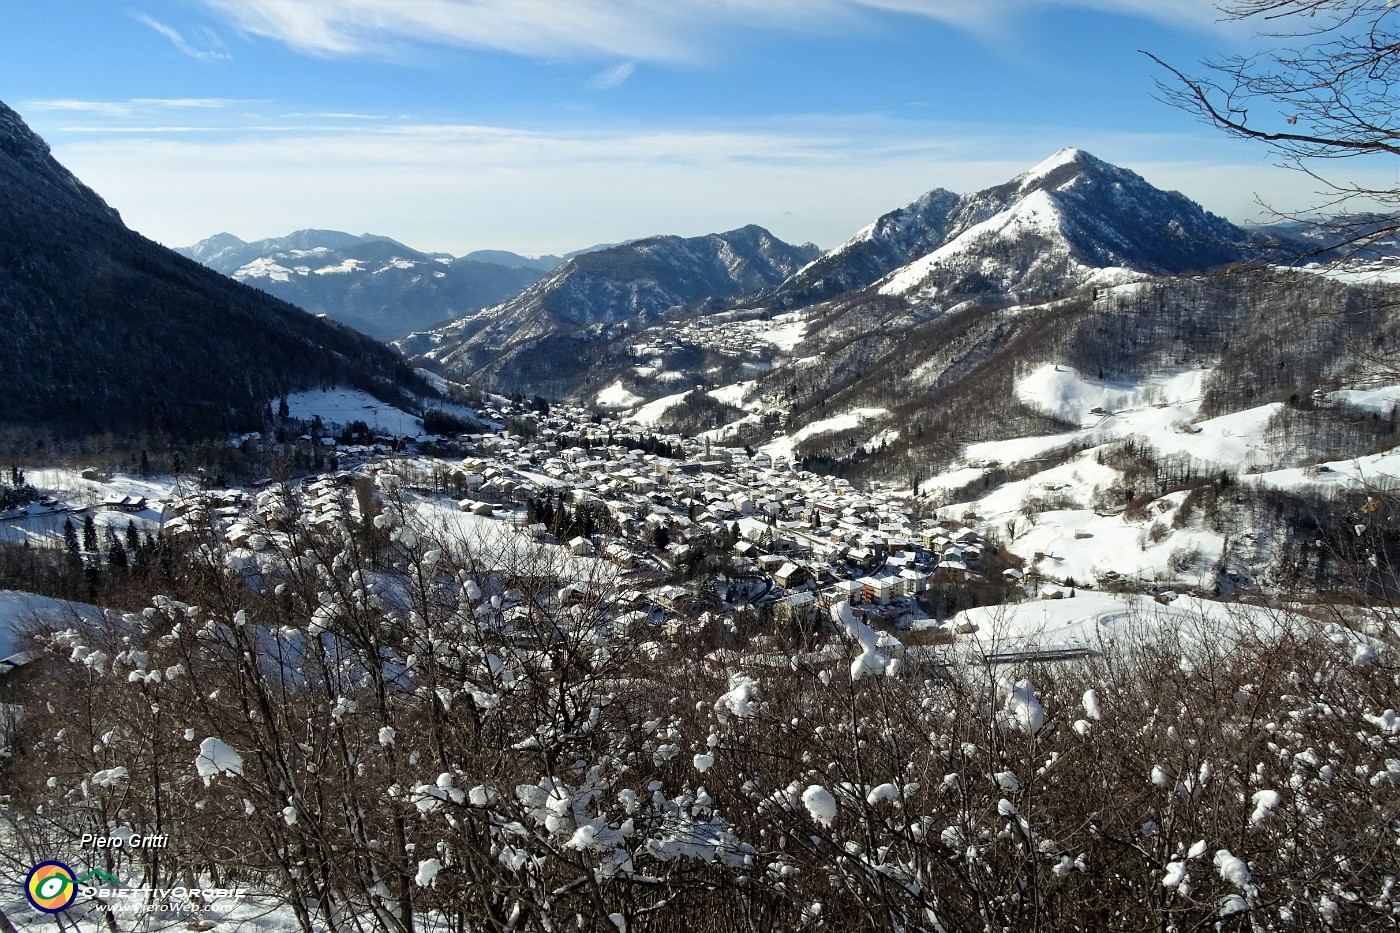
[[1070, 213], [1039, 231], [891, 241]]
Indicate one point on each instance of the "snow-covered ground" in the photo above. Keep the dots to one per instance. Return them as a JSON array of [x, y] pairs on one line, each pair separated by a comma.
[[1160, 411], [1380, 400], [507, 547], [617, 396], [1380, 275], [783, 446], [1063, 393], [736, 394], [1036, 212], [654, 411], [263, 268], [1052, 512], [19, 611], [1100, 621], [784, 332], [341, 406]]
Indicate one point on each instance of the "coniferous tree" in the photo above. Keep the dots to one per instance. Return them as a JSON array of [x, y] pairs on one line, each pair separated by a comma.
[[70, 537], [89, 534], [116, 553]]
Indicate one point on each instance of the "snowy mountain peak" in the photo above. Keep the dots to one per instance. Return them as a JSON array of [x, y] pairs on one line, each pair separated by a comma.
[[1070, 213], [1049, 226], [1066, 156]]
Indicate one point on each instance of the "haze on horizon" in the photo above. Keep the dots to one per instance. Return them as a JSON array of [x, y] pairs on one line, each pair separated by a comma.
[[489, 124]]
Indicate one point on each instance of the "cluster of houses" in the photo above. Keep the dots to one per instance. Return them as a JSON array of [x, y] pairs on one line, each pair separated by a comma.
[[787, 539], [811, 540], [719, 333]]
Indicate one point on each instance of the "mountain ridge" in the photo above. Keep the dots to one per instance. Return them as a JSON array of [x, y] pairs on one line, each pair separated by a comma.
[[1069, 213], [372, 283], [610, 287]]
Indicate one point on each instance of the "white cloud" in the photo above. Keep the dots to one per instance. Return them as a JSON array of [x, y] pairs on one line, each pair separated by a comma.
[[610, 78], [211, 52], [645, 30]]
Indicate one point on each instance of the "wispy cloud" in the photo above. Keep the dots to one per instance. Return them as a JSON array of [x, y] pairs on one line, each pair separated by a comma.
[[211, 51], [143, 108], [641, 30], [610, 78]]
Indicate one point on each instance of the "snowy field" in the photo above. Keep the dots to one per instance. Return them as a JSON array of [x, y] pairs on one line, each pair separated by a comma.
[[1100, 623], [339, 407], [1062, 393], [784, 332], [616, 396], [783, 446], [1051, 513], [507, 546], [653, 411]]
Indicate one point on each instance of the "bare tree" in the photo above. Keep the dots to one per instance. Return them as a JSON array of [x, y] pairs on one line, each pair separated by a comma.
[[1326, 90]]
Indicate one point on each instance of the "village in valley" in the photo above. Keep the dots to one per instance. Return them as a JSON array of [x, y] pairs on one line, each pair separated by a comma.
[[678, 529], [739, 550]]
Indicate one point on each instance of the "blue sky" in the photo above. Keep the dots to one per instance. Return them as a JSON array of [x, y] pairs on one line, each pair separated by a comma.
[[547, 125]]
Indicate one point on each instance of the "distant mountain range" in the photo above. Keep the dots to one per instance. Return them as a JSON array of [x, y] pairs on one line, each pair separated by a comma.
[[374, 284], [521, 336], [1043, 233], [922, 323], [106, 330]]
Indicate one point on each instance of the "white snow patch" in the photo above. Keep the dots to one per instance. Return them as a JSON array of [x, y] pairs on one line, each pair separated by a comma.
[[340, 406], [1381, 400], [654, 411], [263, 268], [736, 394], [785, 331], [428, 870], [346, 265], [783, 446], [216, 757], [1103, 621], [1036, 212], [1066, 156], [1023, 707], [821, 806], [19, 611], [1063, 393], [617, 396]]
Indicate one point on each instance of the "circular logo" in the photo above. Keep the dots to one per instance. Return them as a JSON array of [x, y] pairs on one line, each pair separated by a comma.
[[51, 887]]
